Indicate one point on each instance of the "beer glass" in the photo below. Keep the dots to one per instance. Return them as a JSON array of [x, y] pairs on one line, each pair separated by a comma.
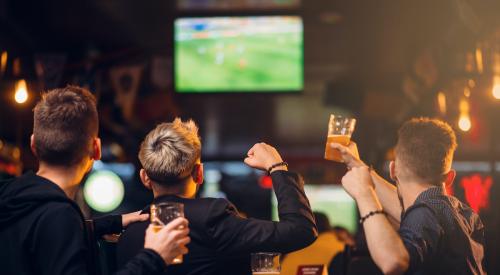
[[265, 263], [339, 131], [164, 212]]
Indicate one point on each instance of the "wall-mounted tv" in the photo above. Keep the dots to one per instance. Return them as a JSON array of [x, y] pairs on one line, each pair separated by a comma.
[[331, 200], [218, 5], [239, 54]]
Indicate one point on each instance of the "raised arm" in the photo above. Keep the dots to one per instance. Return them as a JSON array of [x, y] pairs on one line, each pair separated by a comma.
[[385, 191], [296, 228], [386, 247]]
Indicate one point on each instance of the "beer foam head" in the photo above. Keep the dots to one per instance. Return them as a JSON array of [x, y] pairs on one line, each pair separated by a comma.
[[425, 149], [170, 150]]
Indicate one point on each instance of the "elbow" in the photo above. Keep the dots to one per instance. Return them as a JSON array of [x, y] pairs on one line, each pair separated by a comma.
[[307, 235], [395, 266]]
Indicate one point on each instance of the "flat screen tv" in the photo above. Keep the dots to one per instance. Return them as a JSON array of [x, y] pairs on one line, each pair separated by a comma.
[[239, 54], [332, 201], [218, 5]]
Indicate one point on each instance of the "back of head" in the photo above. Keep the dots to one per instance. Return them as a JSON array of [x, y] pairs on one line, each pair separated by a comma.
[[322, 222], [65, 124], [425, 149], [170, 151]]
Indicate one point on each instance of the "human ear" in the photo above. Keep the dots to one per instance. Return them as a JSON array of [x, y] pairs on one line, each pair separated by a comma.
[[198, 173], [146, 181]]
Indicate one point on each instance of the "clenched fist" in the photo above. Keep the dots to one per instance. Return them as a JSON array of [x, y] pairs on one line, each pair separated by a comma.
[[358, 182], [262, 156]]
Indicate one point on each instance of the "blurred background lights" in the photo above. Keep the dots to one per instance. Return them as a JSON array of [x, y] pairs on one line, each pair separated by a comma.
[[103, 191], [496, 87], [21, 94], [464, 123]]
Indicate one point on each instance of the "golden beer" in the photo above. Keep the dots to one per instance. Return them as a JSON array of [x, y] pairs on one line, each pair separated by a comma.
[[334, 154], [162, 214]]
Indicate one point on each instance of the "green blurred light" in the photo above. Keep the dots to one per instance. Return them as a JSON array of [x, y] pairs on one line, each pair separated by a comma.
[[103, 191]]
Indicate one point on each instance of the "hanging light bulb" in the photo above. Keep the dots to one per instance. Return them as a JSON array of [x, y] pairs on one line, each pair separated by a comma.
[[21, 94], [464, 123], [3, 62], [496, 87], [441, 99]]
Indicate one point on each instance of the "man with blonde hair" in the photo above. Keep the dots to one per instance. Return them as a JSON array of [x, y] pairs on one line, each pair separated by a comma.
[[437, 233], [221, 239]]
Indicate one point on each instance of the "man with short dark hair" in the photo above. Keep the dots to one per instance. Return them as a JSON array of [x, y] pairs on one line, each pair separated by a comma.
[[41, 227], [222, 240], [437, 233]]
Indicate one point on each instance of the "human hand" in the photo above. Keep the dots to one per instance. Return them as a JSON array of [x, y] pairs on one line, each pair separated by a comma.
[[358, 182], [262, 156], [349, 154], [170, 241], [129, 218]]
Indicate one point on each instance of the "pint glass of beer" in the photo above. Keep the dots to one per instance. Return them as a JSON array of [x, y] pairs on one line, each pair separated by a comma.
[[265, 263], [164, 212], [339, 131]]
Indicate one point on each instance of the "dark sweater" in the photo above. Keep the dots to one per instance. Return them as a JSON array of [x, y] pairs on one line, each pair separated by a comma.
[[222, 240], [42, 232]]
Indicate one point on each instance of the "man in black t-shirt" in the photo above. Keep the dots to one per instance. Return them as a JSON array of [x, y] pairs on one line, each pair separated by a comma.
[[221, 239], [41, 228]]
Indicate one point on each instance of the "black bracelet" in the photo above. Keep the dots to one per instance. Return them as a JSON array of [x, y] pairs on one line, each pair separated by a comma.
[[371, 213], [283, 163]]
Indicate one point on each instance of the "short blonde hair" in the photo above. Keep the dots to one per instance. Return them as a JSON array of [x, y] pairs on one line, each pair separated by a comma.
[[170, 150]]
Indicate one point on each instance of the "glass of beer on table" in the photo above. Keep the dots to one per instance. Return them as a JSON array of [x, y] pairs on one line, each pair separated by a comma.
[[164, 212], [265, 263], [340, 129]]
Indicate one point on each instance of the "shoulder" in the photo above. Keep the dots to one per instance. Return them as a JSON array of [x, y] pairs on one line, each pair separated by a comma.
[[203, 205], [420, 217], [57, 214]]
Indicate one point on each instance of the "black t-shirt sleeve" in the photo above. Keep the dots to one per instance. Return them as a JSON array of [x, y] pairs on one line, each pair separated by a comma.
[[296, 229], [111, 224], [420, 231], [58, 244]]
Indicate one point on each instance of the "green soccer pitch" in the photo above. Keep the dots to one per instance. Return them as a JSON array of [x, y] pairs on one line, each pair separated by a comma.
[[259, 62]]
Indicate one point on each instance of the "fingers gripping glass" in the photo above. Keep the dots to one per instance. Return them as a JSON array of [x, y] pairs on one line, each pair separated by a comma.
[[163, 213]]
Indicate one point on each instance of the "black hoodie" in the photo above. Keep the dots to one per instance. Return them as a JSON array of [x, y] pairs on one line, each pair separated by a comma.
[[42, 232]]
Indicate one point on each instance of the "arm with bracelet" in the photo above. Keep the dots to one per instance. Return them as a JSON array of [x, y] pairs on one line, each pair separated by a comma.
[[384, 243], [385, 191]]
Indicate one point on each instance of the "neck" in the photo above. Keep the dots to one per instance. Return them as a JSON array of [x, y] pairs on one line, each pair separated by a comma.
[[412, 191], [184, 190], [67, 178]]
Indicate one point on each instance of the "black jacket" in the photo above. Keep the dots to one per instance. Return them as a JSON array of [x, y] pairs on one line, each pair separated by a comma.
[[222, 240], [42, 232]]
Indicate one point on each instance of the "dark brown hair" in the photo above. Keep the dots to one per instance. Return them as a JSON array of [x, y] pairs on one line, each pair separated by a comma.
[[65, 123], [426, 147]]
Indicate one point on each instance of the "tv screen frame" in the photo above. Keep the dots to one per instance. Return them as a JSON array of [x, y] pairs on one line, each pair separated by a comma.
[[263, 5], [225, 90]]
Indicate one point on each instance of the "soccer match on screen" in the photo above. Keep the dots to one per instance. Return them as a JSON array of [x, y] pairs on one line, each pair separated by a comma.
[[239, 54]]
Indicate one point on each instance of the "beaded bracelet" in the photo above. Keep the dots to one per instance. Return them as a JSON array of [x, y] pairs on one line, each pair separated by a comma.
[[276, 165], [371, 213]]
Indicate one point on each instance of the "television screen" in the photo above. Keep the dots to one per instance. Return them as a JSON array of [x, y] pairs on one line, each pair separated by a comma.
[[334, 202], [239, 54], [219, 5]]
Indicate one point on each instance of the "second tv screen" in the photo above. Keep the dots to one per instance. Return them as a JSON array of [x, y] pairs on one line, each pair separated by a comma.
[[239, 54]]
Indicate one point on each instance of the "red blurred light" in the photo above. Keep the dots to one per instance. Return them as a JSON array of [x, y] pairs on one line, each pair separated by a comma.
[[266, 182], [477, 191]]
